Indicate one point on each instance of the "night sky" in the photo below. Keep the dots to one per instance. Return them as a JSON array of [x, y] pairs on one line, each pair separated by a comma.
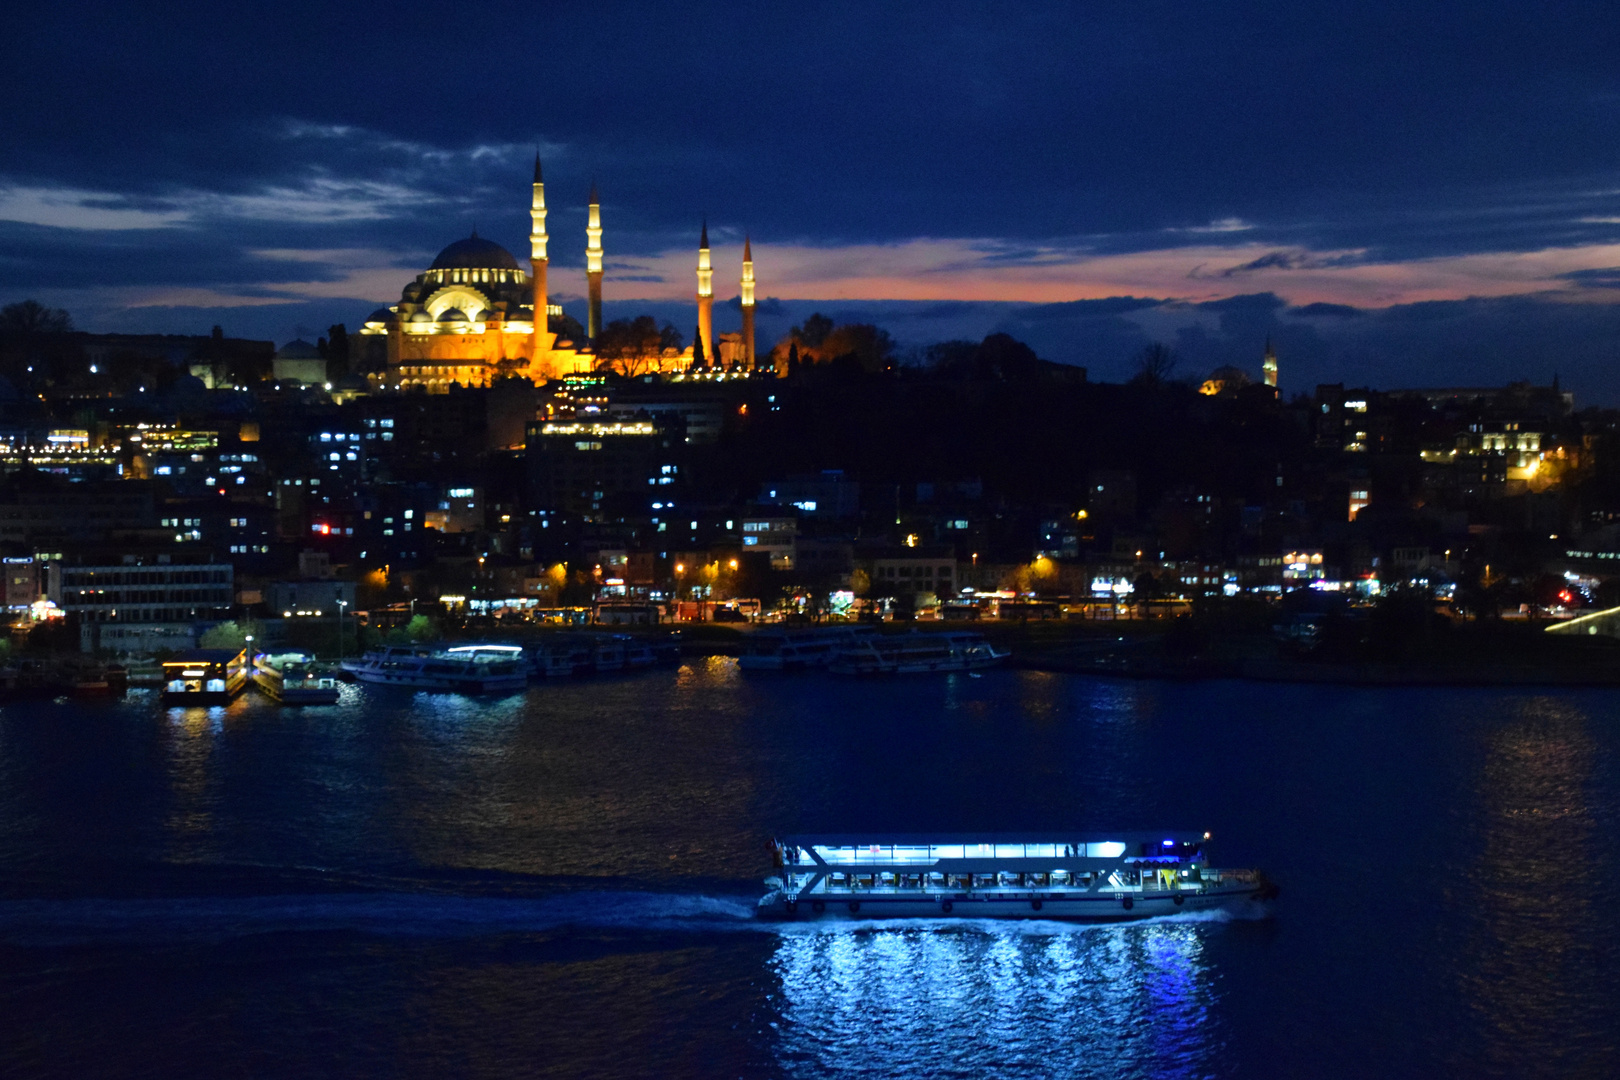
[[1399, 194]]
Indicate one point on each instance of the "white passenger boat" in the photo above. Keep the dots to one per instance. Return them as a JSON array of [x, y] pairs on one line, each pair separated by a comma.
[[794, 650], [638, 652], [464, 669], [1108, 877], [905, 654], [609, 652], [561, 656], [292, 679], [582, 654]]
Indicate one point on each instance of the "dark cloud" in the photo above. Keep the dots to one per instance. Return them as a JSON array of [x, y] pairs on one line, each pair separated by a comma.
[[1327, 311], [866, 122], [1601, 278], [1276, 260], [1050, 131], [1113, 305], [1248, 303]]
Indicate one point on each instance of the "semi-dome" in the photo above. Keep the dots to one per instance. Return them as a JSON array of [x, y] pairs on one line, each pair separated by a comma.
[[474, 253]]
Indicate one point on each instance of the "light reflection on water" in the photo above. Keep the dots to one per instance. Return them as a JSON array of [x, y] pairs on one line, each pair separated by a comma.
[[981, 999], [1536, 880]]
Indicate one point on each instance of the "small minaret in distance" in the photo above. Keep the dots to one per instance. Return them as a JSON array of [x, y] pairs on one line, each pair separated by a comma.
[[705, 294], [1269, 366], [537, 253], [593, 263], [748, 304]]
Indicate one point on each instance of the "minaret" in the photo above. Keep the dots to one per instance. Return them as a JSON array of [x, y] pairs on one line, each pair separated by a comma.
[[593, 262], [1269, 366], [748, 304], [537, 253], [705, 297]]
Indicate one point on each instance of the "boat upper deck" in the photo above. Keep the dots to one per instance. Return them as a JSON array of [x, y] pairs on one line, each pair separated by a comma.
[[990, 853]]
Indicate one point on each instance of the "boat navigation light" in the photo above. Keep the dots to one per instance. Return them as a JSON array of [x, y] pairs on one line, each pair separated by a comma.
[[1206, 836]]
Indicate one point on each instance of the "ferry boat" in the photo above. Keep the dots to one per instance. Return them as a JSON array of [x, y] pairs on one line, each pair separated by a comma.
[[1108, 877], [609, 652], [204, 677], [559, 657], [464, 669], [580, 654], [794, 650], [638, 652], [911, 653], [292, 679]]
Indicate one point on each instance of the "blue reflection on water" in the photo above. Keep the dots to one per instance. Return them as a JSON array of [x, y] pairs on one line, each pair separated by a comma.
[[975, 999]]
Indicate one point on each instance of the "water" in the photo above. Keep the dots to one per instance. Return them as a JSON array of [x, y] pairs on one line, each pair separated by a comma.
[[559, 884]]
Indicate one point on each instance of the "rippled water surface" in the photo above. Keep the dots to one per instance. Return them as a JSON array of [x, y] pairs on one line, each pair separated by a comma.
[[560, 883]]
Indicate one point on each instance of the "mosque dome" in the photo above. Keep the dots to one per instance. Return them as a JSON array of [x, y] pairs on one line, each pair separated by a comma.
[[474, 253], [298, 350], [421, 317], [381, 315], [452, 315]]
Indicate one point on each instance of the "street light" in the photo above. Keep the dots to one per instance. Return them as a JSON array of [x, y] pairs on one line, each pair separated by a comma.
[[250, 652], [341, 605]]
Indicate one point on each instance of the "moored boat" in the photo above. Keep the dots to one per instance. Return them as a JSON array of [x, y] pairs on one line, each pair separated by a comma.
[[793, 650], [292, 679], [463, 669], [561, 656], [1110, 877], [204, 677], [906, 654]]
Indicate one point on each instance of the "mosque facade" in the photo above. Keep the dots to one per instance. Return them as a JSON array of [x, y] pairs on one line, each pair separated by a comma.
[[469, 319]]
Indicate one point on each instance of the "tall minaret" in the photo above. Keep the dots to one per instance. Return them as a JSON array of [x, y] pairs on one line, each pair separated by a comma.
[[748, 304], [1269, 365], [705, 297], [593, 262], [537, 253]]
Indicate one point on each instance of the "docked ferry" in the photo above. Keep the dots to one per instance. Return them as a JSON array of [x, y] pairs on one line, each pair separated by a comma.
[[204, 677], [583, 654], [796, 650], [292, 679], [906, 654], [464, 669], [1049, 876]]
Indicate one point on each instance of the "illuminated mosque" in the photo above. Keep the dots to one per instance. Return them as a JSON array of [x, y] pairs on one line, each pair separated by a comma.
[[470, 318]]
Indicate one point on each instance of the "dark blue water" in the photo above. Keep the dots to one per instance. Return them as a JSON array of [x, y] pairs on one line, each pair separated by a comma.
[[559, 884]]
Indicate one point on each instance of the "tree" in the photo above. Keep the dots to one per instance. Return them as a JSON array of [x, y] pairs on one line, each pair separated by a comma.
[[231, 635], [1154, 365], [31, 317], [869, 347], [814, 331], [631, 346], [337, 351], [951, 358]]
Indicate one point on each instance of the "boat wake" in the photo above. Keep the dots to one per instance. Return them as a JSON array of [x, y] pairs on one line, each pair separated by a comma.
[[203, 920], [400, 915]]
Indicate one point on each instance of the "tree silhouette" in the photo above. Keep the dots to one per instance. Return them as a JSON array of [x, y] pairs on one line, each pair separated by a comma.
[[1154, 365], [31, 317]]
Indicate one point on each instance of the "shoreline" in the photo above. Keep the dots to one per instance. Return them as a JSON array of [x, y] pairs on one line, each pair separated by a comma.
[[1340, 674]]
